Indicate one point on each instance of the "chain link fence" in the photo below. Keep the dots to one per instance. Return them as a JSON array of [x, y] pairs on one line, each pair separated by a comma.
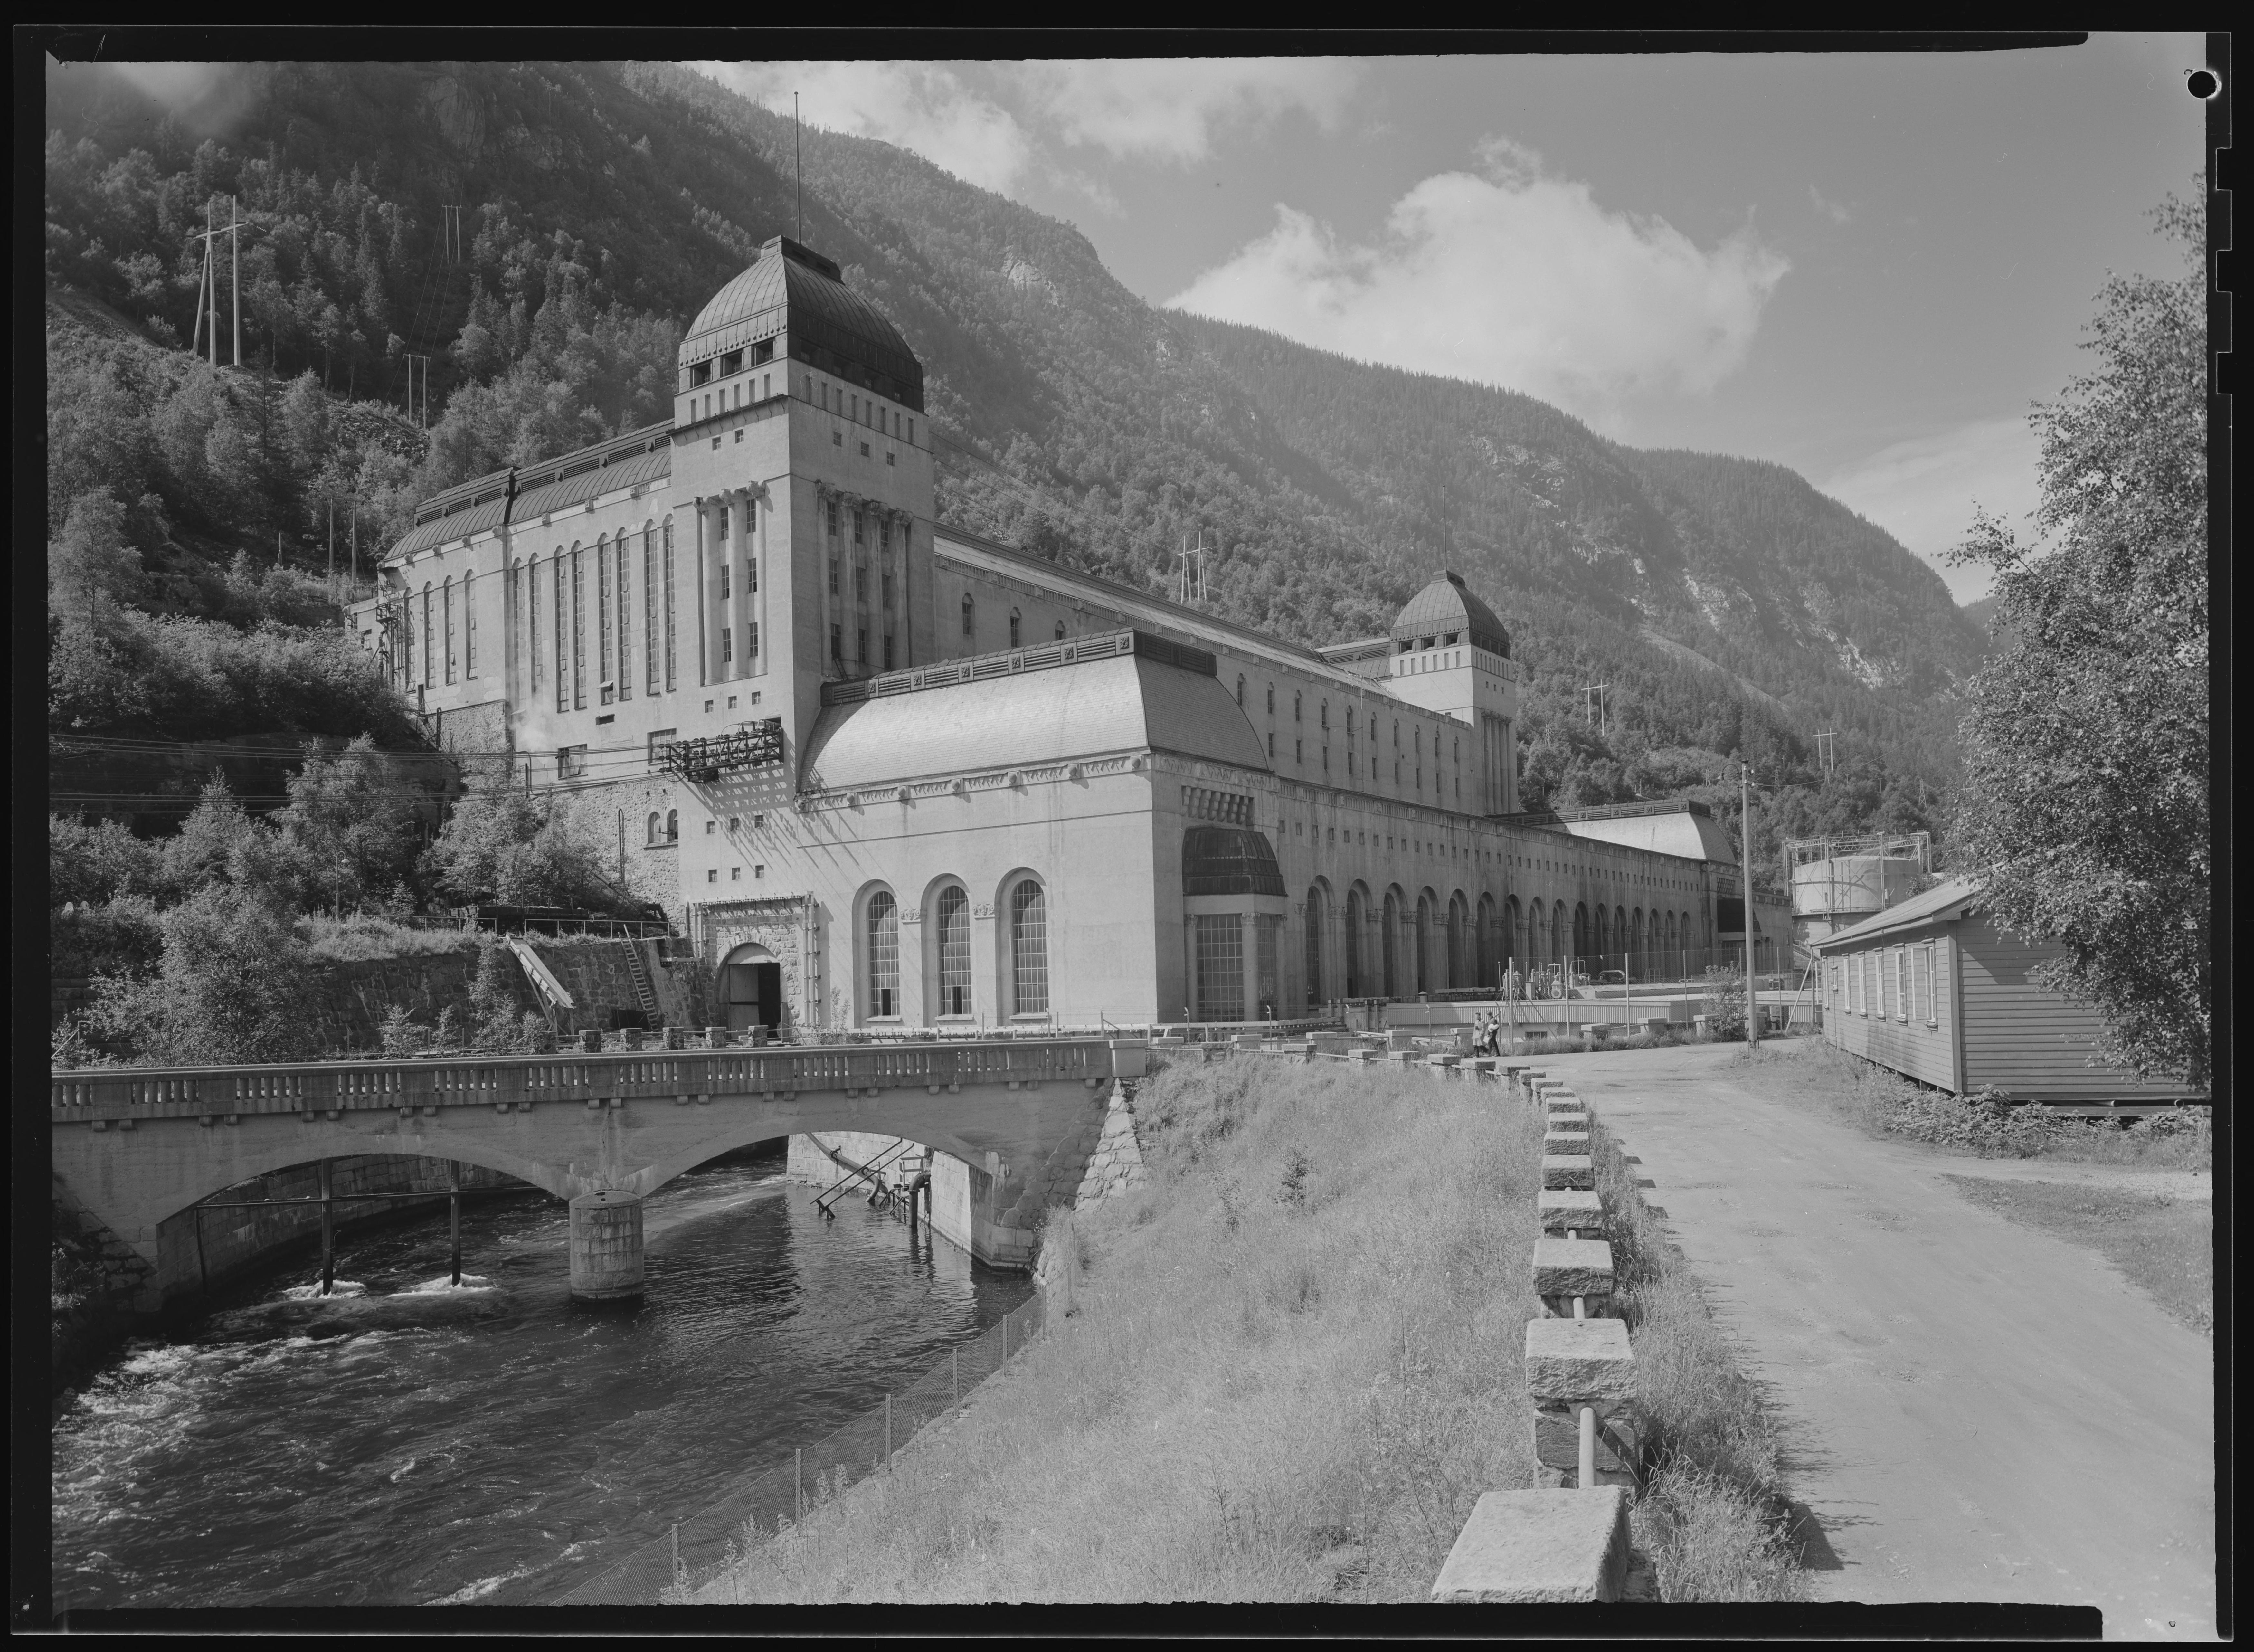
[[698, 1546]]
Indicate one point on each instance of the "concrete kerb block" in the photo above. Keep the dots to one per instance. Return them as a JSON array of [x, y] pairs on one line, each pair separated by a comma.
[[1568, 1170], [1560, 1119], [1530, 1546], [1619, 1443], [1581, 1209], [1570, 1268], [1578, 1361]]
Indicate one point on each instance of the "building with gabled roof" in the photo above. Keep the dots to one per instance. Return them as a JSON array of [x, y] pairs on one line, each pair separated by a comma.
[[884, 772], [1933, 988]]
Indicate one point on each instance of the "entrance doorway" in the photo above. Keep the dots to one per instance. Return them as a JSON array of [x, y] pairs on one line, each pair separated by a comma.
[[751, 985]]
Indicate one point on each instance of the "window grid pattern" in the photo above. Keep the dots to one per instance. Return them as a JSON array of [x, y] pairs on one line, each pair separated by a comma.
[[625, 622], [954, 952], [430, 654], [603, 656], [1219, 966], [668, 607], [1901, 983], [562, 684], [1922, 982], [884, 954], [578, 632], [469, 631], [649, 607], [1029, 950]]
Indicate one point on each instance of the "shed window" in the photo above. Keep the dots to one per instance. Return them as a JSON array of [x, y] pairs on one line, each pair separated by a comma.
[[1902, 984], [1922, 978]]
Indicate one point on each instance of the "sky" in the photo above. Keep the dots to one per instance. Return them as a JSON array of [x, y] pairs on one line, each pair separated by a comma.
[[1865, 267]]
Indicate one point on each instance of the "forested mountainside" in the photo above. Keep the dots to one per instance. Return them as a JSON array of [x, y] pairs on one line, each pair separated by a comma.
[[1729, 606]]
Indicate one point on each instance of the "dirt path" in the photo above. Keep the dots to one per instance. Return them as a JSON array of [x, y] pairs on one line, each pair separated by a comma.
[[1973, 1410]]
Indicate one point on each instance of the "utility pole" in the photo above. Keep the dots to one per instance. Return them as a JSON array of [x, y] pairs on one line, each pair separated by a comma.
[[1745, 877], [1592, 704], [203, 287], [235, 278], [1827, 751]]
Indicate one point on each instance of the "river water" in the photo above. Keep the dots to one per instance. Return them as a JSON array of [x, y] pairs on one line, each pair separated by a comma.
[[412, 1443]]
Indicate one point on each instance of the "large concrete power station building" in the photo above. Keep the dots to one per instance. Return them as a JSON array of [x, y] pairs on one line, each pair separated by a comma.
[[886, 774]]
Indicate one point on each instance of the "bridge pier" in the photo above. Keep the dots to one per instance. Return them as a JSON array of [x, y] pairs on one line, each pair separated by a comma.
[[606, 1248]]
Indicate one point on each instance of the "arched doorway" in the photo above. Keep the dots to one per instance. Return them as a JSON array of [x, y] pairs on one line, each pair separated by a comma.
[[751, 986]]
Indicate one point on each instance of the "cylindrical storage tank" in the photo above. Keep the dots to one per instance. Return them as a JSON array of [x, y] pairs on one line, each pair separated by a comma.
[[606, 1248]]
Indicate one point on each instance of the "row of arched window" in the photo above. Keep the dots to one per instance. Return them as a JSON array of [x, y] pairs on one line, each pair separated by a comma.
[[1394, 946], [1017, 623], [950, 989]]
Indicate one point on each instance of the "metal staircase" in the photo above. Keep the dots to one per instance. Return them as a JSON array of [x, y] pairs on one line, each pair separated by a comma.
[[645, 990]]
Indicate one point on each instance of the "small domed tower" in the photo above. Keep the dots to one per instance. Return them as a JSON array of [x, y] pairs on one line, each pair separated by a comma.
[[803, 453], [1452, 655]]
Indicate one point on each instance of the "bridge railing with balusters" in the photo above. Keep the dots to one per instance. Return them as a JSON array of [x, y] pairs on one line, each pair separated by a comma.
[[106, 1096]]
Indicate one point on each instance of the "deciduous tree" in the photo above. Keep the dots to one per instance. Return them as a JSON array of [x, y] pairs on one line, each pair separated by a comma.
[[2084, 806]]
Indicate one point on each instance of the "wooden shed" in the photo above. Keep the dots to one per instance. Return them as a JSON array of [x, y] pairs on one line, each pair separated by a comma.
[[1935, 989]]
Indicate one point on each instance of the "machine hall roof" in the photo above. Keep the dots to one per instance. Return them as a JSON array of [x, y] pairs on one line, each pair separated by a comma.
[[644, 455], [1124, 701], [831, 327], [1445, 606], [1683, 827]]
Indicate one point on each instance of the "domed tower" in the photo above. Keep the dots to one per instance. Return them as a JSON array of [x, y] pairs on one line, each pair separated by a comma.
[[1452, 655], [801, 451]]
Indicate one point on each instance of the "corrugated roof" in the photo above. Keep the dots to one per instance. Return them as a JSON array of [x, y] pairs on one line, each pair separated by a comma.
[[1950, 898], [531, 505], [1125, 703]]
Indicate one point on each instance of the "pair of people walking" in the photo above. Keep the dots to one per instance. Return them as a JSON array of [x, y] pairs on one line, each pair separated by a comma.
[[1487, 1035]]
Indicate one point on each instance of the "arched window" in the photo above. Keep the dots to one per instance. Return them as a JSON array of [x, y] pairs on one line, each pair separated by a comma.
[[656, 828], [1272, 699], [970, 616], [672, 825], [1295, 706], [1315, 920], [430, 654], [884, 954], [446, 610], [1325, 714], [953, 951], [1029, 950], [469, 631], [1240, 690], [1059, 631], [1015, 621]]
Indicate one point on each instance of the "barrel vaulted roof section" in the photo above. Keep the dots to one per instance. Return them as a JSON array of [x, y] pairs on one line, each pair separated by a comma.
[[1127, 703]]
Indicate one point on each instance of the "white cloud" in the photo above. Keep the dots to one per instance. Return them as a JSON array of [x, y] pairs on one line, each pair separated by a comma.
[[1922, 490], [1514, 277], [1830, 209], [922, 107], [1167, 109]]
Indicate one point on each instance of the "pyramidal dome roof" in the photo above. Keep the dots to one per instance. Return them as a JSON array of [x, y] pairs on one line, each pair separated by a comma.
[[795, 291], [1445, 607]]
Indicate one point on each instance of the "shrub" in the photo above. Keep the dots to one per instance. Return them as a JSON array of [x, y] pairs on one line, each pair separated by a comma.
[[120, 937], [230, 988]]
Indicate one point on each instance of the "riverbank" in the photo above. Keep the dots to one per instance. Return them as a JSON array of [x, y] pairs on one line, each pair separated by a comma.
[[1284, 1369]]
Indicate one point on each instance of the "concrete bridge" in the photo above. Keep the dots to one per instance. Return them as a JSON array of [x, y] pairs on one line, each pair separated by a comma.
[[1010, 1121]]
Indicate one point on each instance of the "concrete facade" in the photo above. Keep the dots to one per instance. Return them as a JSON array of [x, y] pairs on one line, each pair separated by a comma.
[[980, 779]]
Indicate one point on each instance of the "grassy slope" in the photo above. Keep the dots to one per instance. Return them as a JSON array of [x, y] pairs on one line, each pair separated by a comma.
[[1292, 1365]]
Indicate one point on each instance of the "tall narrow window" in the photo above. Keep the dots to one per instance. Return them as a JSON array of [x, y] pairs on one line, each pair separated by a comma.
[[970, 616], [603, 656], [954, 952], [446, 606], [1219, 966], [430, 654], [469, 631], [626, 621], [752, 641], [668, 605], [1029, 950], [532, 619], [1015, 622], [884, 954], [563, 635], [578, 632]]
